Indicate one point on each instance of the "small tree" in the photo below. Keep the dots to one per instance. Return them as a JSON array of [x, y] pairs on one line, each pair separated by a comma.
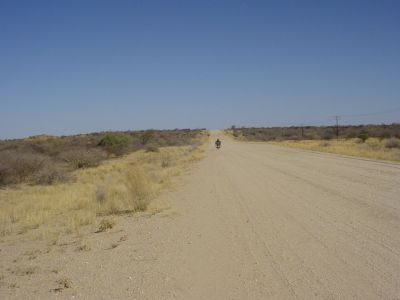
[[146, 136], [363, 135], [114, 143]]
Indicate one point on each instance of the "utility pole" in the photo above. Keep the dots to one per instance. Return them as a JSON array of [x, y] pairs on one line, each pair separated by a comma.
[[337, 127], [302, 130]]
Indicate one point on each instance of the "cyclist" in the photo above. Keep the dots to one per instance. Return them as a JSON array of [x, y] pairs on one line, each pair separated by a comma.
[[218, 143]]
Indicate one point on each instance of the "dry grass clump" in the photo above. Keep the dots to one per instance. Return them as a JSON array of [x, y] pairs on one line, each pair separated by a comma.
[[79, 158], [130, 192], [324, 144], [84, 247], [64, 283], [358, 141], [393, 143], [120, 185], [114, 245], [106, 224], [152, 148], [372, 148]]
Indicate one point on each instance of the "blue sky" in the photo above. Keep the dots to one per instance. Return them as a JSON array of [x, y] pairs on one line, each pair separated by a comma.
[[81, 66]]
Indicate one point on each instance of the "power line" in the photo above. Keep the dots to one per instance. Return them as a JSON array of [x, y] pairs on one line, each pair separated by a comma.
[[337, 127], [346, 116], [384, 112]]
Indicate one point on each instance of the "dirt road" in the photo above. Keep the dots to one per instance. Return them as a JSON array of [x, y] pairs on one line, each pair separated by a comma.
[[256, 221]]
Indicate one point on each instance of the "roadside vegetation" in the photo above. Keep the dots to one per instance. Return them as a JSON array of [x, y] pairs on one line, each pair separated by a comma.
[[48, 159], [370, 141], [55, 185]]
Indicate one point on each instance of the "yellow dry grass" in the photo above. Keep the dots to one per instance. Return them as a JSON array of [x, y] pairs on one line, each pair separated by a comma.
[[122, 185], [373, 148]]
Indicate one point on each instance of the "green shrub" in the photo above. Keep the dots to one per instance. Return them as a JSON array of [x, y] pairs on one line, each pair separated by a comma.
[[114, 143], [363, 135]]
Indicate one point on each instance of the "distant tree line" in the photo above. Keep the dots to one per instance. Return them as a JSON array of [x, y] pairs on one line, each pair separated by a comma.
[[383, 131]]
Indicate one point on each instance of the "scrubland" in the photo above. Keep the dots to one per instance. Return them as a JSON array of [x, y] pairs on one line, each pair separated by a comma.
[[50, 159], [369, 141], [372, 148], [115, 180], [384, 131]]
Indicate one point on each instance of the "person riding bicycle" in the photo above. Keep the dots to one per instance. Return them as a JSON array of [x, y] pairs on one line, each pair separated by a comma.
[[218, 143]]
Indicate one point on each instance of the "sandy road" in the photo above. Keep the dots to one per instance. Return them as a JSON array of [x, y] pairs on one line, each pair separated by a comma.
[[256, 221]]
